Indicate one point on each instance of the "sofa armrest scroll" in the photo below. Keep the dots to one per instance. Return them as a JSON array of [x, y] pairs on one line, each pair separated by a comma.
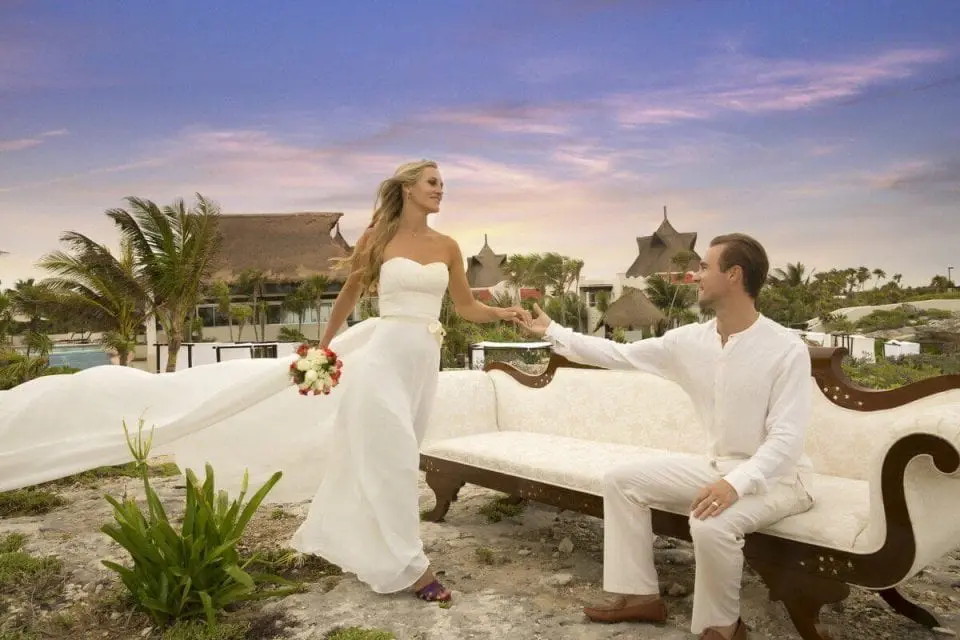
[[915, 487]]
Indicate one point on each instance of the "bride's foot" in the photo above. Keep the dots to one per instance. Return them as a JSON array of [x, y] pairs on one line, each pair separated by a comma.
[[429, 588]]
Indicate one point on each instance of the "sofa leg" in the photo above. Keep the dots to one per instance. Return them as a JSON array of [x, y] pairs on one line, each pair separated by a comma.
[[802, 594], [906, 607], [445, 488]]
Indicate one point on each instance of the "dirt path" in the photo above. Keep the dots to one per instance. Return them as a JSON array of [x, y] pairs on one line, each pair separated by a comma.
[[525, 577]]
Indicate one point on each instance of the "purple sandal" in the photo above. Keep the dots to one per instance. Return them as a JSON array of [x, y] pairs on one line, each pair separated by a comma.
[[434, 592]]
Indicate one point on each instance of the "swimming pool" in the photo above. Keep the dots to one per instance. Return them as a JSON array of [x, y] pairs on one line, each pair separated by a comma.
[[80, 356]]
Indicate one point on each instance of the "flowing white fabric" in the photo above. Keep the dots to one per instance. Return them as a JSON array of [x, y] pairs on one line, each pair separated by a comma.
[[354, 452]]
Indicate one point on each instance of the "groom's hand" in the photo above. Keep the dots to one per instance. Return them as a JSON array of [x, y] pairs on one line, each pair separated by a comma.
[[539, 322]]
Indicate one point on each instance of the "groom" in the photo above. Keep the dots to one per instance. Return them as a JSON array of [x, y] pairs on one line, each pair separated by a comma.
[[749, 380]]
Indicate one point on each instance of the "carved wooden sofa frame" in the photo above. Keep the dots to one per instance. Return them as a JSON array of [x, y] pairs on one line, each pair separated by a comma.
[[803, 576]]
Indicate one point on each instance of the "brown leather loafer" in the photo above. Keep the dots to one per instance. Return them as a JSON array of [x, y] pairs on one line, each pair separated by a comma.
[[653, 612], [740, 633]]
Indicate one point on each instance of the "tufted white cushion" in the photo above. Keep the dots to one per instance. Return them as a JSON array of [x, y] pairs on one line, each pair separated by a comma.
[[838, 517]]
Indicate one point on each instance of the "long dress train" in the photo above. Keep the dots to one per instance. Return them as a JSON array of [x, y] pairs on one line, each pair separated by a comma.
[[354, 452]]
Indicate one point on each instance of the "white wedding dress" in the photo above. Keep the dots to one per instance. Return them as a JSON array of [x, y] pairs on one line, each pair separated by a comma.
[[355, 452]]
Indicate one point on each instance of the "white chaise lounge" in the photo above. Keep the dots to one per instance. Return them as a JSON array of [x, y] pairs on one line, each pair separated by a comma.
[[886, 486]]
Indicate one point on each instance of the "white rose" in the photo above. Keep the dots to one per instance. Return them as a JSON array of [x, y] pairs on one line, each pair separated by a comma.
[[303, 365], [311, 376]]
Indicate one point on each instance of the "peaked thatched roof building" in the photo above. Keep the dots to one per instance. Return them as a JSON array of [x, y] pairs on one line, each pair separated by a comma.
[[486, 269], [632, 310], [287, 247], [655, 252]]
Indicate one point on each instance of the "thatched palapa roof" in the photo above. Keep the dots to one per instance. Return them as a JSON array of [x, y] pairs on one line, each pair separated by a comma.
[[286, 247], [655, 252], [632, 309], [486, 268]]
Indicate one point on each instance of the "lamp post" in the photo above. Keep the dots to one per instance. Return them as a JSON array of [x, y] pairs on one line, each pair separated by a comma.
[[949, 278]]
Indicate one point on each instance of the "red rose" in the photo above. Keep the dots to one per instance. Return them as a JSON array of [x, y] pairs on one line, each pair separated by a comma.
[[302, 350]]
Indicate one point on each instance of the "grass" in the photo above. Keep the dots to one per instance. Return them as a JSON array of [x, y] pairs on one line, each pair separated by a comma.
[[22, 573], [28, 502], [291, 565], [247, 624], [41, 499], [27, 584], [500, 508], [358, 633], [92, 478]]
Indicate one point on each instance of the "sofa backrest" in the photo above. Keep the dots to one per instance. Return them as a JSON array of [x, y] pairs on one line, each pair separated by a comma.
[[621, 407], [629, 407], [465, 404]]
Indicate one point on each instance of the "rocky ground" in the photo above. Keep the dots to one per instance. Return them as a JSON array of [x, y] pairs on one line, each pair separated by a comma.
[[523, 577]]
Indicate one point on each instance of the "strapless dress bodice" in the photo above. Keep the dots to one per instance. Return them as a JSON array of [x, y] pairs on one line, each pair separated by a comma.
[[411, 289]]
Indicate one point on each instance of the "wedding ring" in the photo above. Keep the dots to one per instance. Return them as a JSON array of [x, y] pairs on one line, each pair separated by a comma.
[[715, 503]]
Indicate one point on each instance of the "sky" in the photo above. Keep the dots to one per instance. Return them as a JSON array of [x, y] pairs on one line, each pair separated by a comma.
[[828, 130]]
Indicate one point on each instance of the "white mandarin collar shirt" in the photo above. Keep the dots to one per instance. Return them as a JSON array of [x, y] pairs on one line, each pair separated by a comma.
[[753, 395]]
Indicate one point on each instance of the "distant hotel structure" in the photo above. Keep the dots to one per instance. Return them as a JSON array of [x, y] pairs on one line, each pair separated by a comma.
[[667, 253], [488, 276], [657, 255], [287, 249]]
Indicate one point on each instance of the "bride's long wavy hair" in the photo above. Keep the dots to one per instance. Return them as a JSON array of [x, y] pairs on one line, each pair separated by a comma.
[[367, 256]]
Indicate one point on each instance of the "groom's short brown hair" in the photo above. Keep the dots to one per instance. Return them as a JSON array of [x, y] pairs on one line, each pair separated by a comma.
[[740, 250]]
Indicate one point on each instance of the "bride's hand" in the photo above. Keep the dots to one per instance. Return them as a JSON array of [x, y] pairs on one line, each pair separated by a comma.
[[517, 315]]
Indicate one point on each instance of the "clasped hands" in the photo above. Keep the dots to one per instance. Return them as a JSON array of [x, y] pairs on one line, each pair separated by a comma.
[[516, 314], [712, 499]]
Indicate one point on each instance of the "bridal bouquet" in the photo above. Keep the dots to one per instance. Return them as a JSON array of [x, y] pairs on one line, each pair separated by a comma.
[[316, 371]]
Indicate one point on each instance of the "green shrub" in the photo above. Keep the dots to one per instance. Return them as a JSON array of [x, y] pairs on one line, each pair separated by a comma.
[[887, 374], [195, 572], [500, 508]]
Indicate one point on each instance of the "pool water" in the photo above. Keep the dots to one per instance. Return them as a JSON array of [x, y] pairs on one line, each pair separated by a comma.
[[78, 357]]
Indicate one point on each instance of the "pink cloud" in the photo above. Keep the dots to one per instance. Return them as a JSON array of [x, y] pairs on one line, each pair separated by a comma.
[[20, 144], [741, 84], [584, 199], [508, 119]]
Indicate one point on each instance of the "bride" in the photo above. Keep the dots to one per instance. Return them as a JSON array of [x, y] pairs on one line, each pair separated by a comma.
[[355, 452]]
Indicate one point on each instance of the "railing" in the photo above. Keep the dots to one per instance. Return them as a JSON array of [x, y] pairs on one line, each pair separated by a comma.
[[255, 350]]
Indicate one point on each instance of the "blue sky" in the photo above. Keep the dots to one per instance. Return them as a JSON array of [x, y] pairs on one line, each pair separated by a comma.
[[829, 130]]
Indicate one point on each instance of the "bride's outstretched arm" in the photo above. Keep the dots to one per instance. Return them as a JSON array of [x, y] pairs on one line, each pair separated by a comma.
[[346, 300], [468, 307], [342, 306]]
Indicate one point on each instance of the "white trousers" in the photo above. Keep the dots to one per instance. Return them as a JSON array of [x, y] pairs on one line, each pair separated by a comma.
[[672, 482]]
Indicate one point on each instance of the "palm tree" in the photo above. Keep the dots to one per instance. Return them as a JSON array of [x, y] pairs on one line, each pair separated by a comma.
[[174, 247], [220, 291], [252, 282], [671, 298], [6, 317], [316, 286], [879, 274], [299, 302], [520, 269], [795, 275], [101, 287]]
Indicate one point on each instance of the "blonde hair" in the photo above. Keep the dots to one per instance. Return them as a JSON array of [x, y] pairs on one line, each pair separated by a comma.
[[367, 256]]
